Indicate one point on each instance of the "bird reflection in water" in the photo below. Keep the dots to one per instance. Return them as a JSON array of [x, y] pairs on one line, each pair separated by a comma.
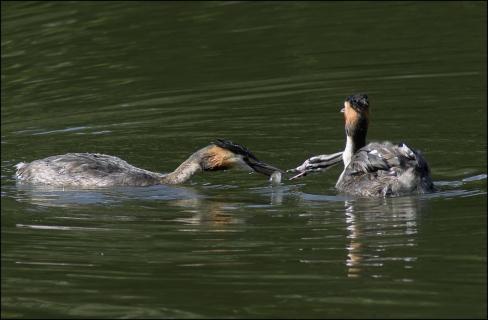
[[376, 229], [207, 212], [218, 211]]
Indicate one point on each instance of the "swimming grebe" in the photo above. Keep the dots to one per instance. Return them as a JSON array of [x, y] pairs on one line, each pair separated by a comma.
[[376, 169], [100, 170]]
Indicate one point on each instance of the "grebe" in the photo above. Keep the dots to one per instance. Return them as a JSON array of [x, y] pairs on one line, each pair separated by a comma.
[[376, 169], [100, 170]]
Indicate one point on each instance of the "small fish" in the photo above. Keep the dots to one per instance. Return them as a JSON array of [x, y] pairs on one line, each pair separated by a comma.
[[275, 178]]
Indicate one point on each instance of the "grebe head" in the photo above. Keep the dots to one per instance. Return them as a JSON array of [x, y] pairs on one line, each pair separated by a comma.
[[224, 154], [358, 102], [356, 119], [356, 115]]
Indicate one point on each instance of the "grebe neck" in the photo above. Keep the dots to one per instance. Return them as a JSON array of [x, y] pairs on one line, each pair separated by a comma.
[[184, 171], [353, 144]]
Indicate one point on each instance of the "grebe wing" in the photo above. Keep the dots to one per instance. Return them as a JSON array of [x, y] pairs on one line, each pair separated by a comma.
[[88, 162], [386, 169], [384, 157]]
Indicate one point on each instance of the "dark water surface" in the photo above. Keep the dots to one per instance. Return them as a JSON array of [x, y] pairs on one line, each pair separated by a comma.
[[152, 83]]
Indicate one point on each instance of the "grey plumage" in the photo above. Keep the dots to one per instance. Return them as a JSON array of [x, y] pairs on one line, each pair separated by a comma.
[[376, 169], [85, 170], [385, 169], [100, 170]]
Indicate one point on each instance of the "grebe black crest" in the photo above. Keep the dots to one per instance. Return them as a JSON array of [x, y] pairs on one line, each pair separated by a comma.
[[235, 148]]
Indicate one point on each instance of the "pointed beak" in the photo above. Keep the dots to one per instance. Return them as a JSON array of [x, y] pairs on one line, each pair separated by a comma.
[[262, 167], [342, 109]]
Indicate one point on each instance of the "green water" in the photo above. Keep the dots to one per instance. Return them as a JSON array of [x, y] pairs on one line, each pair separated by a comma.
[[153, 82]]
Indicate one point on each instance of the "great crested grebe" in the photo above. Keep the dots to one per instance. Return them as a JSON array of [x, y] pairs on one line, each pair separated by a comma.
[[100, 170], [376, 169]]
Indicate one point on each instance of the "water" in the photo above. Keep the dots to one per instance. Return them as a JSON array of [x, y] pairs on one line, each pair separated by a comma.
[[152, 82]]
